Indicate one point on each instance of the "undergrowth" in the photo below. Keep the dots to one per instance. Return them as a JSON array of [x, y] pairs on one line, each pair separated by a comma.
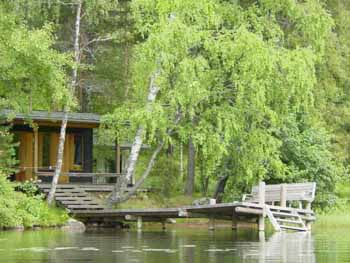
[[26, 208]]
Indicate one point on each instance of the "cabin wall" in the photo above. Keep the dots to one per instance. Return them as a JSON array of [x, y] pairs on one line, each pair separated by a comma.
[[26, 150]]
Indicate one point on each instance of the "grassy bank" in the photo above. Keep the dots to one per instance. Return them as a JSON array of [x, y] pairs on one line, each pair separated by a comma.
[[339, 217], [157, 201], [26, 208]]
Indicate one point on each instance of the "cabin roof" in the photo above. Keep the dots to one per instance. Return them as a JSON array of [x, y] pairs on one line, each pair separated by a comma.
[[73, 117]]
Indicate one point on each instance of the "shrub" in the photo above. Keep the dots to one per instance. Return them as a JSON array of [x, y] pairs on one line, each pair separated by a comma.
[[25, 208]]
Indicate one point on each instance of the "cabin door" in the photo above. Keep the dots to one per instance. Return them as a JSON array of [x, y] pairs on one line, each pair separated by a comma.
[[25, 156]]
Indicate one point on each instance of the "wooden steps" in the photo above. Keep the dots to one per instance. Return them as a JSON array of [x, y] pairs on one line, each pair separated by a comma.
[[73, 198], [290, 219]]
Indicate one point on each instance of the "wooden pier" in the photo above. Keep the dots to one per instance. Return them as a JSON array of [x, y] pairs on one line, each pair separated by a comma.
[[265, 201]]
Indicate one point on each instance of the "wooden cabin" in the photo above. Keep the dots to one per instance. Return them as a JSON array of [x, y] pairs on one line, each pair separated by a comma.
[[37, 135]]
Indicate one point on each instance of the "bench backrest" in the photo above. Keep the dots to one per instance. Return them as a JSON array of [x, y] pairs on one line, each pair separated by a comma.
[[293, 192]]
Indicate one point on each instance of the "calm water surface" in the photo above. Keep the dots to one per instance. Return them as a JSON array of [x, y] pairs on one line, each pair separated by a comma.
[[175, 245]]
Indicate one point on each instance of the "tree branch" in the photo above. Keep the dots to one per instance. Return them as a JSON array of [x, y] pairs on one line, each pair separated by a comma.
[[126, 195]]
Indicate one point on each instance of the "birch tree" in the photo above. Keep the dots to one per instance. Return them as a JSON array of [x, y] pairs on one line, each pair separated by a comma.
[[62, 138], [136, 147], [230, 71]]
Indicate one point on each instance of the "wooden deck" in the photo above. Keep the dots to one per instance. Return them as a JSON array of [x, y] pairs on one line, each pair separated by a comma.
[[237, 211], [84, 207]]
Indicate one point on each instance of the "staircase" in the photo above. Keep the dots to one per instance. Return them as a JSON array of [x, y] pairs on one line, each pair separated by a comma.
[[285, 219], [72, 197]]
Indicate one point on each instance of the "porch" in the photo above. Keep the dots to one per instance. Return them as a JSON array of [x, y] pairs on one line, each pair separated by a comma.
[[90, 179], [85, 161]]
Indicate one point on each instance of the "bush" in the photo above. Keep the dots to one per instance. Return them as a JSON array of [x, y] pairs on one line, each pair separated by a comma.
[[25, 208]]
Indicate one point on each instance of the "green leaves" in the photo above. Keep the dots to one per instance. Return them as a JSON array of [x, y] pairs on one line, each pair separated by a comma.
[[17, 209], [236, 71], [32, 73]]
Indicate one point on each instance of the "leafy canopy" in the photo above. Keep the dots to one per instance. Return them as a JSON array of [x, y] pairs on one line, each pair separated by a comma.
[[234, 70]]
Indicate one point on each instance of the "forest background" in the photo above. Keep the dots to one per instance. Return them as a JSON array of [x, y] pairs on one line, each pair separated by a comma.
[[244, 90]]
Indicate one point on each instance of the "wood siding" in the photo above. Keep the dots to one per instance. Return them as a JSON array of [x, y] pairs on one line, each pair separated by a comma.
[[26, 151]]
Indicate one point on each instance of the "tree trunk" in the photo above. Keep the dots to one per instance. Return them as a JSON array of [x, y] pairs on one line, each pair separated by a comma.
[[191, 166], [62, 138], [136, 147], [125, 196], [220, 188], [181, 161], [204, 178]]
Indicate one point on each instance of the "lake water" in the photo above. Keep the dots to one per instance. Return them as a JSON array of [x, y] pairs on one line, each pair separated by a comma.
[[175, 245]]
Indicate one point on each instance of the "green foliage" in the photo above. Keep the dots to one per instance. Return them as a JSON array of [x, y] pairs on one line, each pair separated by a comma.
[[235, 72], [32, 73], [28, 187], [7, 151], [262, 86], [19, 209]]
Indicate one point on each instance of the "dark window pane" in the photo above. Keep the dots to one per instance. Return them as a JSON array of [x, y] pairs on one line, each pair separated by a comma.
[[46, 150], [78, 150]]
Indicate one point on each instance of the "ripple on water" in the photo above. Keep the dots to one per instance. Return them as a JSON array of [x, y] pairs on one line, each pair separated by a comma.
[[188, 246], [166, 250], [65, 248], [33, 249], [90, 249]]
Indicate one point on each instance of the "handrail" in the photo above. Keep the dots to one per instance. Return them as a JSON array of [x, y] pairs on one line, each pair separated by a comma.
[[80, 174]]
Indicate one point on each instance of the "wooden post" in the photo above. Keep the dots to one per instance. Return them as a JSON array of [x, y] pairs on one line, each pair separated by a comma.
[[139, 222], [308, 223], [261, 222], [117, 157], [36, 150], [234, 221], [211, 223], [283, 196], [163, 224], [262, 247]]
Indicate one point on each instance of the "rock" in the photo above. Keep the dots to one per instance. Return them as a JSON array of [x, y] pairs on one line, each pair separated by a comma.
[[201, 201], [73, 225], [170, 221]]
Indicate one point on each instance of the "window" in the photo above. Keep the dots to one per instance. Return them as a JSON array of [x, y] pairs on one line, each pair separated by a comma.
[[78, 150], [46, 150]]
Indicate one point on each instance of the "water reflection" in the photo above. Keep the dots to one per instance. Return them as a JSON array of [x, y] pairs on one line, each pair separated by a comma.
[[180, 246], [280, 247]]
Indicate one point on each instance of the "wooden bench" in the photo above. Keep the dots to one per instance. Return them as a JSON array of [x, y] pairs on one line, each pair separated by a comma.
[[283, 194]]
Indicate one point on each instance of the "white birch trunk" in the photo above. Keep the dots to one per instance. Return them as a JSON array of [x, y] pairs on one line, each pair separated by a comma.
[[150, 165], [123, 181], [136, 146], [62, 138], [124, 196]]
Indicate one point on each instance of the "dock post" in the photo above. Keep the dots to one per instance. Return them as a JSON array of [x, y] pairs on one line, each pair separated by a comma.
[[261, 221], [163, 224], [211, 223], [234, 221], [139, 222], [308, 223], [283, 197]]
